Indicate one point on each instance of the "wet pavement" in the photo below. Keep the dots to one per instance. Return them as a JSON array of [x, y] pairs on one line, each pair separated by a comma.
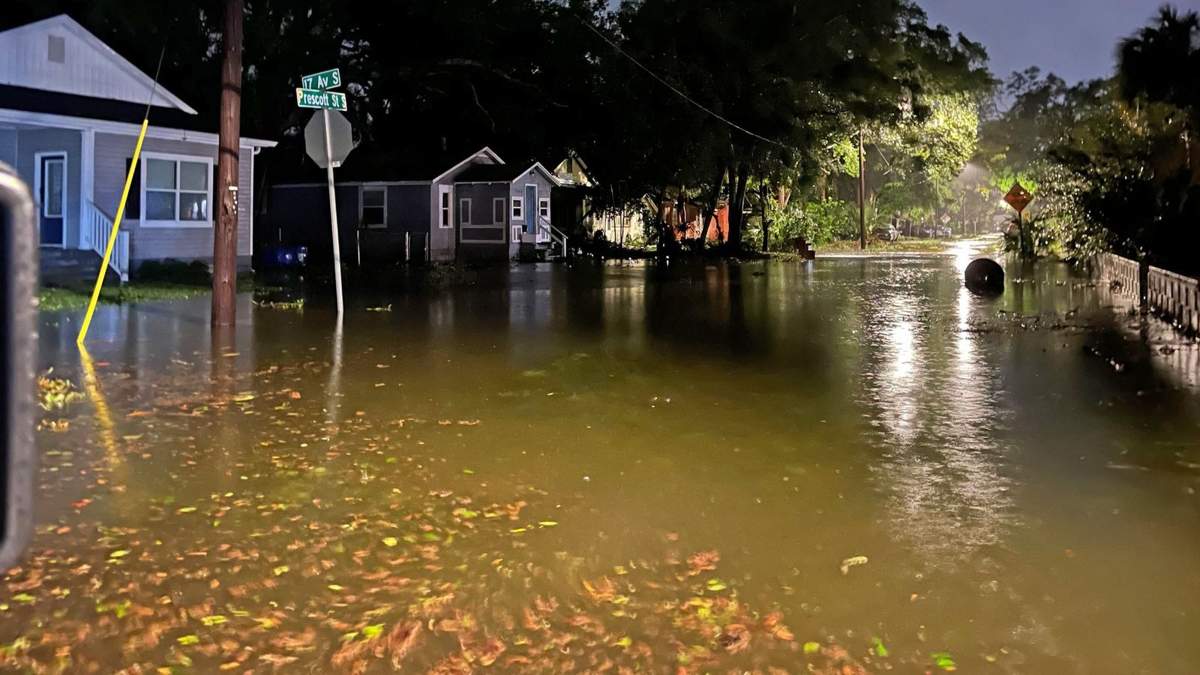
[[852, 463]]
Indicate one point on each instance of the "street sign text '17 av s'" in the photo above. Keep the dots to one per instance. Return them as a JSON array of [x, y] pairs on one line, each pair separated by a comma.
[[1018, 197], [314, 98], [326, 79]]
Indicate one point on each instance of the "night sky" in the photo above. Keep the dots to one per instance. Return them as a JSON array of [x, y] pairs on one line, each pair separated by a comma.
[[1075, 39]]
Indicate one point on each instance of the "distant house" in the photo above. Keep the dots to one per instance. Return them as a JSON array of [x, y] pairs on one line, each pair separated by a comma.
[[628, 223], [475, 208], [576, 210], [70, 111]]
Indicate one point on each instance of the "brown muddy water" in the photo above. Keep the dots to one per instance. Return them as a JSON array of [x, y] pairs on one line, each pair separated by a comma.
[[846, 466]]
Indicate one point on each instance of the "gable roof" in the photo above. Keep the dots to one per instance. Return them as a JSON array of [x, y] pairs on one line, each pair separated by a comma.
[[484, 153], [501, 173], [88, 66]]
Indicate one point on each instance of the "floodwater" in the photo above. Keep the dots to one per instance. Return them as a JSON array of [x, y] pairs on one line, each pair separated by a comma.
[[853, 465]]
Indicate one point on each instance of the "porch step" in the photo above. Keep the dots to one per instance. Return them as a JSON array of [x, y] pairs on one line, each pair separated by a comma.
[[63, 267]]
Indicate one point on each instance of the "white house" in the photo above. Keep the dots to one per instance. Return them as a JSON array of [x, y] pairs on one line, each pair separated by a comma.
[[70, 111]]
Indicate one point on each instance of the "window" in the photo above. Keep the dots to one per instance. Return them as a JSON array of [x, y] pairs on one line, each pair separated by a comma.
[[445, 219], [516, 236], [56, 49], [498, 210], [177, 191], [544, 207], [53, 181], [516, 209], [373, 207], [464, 209]]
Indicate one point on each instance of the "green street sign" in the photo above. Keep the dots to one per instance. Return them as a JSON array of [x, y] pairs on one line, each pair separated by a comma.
[[313, 98], [326, 79]]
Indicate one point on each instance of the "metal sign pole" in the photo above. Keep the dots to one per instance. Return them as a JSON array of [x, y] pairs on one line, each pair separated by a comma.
[[333, 221]]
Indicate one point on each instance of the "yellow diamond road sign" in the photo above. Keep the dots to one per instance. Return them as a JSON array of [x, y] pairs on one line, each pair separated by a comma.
[[1018, 197]]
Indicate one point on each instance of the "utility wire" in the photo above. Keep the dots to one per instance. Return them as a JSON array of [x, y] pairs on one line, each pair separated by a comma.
[[681, 94]]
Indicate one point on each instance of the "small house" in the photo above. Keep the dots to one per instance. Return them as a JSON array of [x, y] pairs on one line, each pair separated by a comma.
[[70, 112], [470, 209]]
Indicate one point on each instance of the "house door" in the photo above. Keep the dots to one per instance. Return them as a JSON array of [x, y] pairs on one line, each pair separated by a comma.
[[531, 211], [51, 187]]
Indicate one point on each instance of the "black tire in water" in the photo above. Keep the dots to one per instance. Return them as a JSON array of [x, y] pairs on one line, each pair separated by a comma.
[[984, 276]]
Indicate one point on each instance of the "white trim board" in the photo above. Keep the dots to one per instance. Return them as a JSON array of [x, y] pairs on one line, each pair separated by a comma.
[[125, 128]]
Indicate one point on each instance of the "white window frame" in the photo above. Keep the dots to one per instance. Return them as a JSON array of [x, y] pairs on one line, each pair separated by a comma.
[[362, 189], [499, 206], [176, 223], [445, 214], [517, 230], [464, 210], [518, 209], [544, 207]]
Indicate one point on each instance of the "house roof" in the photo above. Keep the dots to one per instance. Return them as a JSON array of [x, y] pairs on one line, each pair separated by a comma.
[[59, 55], [488, 173], [501, 173], [34, 105], [363, 167]]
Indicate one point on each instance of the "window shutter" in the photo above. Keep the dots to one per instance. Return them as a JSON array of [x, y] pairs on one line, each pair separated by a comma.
[[133, 205]]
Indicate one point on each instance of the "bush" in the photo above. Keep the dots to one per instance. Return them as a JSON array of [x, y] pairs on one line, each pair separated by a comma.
[[819, 222], [193, 273]]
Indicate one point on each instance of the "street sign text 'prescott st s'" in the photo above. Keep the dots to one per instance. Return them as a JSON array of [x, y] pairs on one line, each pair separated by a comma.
[[313, 98]]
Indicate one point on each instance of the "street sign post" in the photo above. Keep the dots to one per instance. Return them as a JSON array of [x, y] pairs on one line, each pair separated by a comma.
[[327, 142], [326, 79], [320, 100]]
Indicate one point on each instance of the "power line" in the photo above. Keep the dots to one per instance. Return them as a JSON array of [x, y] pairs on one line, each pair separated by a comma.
[[681, 94]]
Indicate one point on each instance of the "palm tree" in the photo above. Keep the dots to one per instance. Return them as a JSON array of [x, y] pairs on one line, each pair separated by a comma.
[[1161, 62]]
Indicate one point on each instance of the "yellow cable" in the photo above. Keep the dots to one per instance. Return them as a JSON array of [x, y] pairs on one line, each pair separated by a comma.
[[112, 236]]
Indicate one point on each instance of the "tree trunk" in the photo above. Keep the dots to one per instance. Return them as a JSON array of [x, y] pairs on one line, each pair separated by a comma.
[[766, 227], [862, 192], [736, 208], [225, 236], [710, 207]]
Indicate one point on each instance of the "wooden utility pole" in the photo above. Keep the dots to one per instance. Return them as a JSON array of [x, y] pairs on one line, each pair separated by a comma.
[[862, 192], [226, 197]]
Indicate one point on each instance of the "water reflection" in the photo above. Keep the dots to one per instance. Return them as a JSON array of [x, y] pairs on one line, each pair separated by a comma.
[[787, 415], [938, 417]]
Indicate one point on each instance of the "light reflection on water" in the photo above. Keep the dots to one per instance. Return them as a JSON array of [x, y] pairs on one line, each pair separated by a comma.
[[789, 415]]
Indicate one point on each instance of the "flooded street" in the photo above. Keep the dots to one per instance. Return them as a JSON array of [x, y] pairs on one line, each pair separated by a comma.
[[848, 463]]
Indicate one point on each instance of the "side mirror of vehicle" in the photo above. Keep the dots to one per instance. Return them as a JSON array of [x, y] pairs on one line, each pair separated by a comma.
[[18, 278]]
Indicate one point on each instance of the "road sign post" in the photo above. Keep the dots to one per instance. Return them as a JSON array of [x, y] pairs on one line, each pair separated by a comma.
[[333, 222], [328, 148]]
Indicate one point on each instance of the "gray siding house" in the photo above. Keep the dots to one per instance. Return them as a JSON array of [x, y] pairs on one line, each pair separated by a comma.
[[70, 112], [477, 208]]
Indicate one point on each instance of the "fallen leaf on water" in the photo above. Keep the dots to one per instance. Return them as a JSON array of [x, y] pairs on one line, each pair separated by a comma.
[[735, 638], [188, 639], [812, 647], [282, 569], [853, 562], [944, 661], [390, 541]]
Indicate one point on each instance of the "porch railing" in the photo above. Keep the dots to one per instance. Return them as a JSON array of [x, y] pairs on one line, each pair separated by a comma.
[[97, 227], [557, 237]]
